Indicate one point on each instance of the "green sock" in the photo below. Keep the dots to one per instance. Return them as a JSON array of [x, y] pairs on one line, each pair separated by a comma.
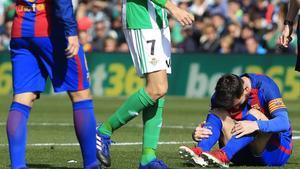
[[147, 156], [152, 118], [129, 109]]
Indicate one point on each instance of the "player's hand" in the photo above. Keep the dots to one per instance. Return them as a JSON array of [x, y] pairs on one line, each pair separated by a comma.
[[201, 133], [244, 127], [285, 37], [182, 16], [73, 46]]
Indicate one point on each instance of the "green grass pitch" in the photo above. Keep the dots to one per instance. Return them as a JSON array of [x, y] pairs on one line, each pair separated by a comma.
[[52, 142]]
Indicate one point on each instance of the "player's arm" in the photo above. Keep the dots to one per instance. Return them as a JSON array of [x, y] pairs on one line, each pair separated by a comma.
[[279, 122], [285, 37], [63, 10], [182, 16], [293, 8], [279, 116]]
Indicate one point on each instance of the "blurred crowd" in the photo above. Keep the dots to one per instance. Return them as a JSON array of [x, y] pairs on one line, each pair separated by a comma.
[[221, 26]]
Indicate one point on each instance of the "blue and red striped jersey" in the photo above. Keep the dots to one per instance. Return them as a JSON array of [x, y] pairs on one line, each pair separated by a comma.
[[265, 97], [39, 18]]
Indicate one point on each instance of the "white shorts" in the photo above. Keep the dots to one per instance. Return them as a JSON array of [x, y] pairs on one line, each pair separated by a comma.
[[150, 49]]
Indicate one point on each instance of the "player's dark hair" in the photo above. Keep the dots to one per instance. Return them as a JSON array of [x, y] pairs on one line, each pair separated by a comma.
[[228, 88]]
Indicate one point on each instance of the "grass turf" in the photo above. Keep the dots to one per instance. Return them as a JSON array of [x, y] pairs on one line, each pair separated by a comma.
[[51, 122]]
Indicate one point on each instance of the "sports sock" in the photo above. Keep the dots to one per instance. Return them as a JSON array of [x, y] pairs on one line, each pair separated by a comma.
[[16, 129], [213, 123], [130, 109], [236, 144], [152, 119], [85, 124], [148, 155]]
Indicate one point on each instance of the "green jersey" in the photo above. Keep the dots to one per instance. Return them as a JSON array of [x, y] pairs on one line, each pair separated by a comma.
[[144, 14]]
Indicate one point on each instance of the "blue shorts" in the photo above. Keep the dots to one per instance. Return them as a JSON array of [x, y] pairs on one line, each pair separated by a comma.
[[36, 59], [277, 152]]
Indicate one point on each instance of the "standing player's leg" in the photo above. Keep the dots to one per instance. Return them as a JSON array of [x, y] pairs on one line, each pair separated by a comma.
[[156, 86], [85, 126], [71, 75], [83, 108], [154, 66], [28, 79], [152, 59]]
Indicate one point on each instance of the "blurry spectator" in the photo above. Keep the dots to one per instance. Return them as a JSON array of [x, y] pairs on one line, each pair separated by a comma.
[[189, 44], [218, 22], [234, 30], [271, 39], [5, 38], [198, 7], [175, 29], [218, 6], [247, 32], [117, 27], [85, 38], [246, 19], [100, 34], [123, 47], [110, 44], [94, 9], [209, 41], [235, 13], [253, 47], [259, 24], [226, 44], [246, 5]]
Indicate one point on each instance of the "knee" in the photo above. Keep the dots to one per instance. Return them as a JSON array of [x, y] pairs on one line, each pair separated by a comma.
[[80, 95], [26, 98], [158, 91]]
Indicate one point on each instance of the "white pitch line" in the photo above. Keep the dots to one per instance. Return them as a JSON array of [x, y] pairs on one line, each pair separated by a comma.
[[115, 144], [130, 125]]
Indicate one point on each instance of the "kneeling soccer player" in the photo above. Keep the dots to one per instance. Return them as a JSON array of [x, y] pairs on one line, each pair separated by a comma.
[[250, 121]]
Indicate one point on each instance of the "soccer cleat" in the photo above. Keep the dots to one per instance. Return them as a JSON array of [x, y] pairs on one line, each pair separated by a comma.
[[217, 158], [192, 156], [154, 164], [103, 143]]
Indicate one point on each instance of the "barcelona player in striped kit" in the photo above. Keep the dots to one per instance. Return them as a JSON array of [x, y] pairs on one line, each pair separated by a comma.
[[249, 119], [45, 44]]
